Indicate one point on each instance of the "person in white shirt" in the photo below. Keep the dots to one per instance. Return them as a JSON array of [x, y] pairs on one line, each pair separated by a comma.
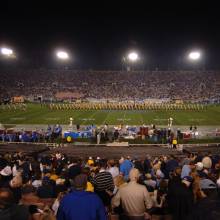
[[112, 168]]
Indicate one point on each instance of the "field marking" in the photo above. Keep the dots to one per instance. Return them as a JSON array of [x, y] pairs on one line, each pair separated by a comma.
[[142, 118], [52, 119], [105, 120], [199, 119], [17, 118], [123, 119], [124, 114], [76, 117], [87, 119], [160, 119], [91, 117]]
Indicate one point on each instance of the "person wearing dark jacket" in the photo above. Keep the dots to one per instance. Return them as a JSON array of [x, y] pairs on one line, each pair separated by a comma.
[[47, 190], [181, 199], [9, 209]]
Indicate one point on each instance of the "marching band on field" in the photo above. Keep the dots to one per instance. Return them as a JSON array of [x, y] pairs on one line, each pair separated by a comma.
[[14, 107], [126, 106], [110, 106]]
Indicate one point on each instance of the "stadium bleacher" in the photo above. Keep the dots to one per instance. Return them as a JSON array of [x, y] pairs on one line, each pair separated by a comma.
[[121, 85], [42, 184]]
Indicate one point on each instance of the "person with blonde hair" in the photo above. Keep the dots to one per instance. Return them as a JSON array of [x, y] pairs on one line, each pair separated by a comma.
[[119, 181]]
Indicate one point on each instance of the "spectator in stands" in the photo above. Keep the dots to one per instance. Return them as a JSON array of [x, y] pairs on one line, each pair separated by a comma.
[[74, 168], [35, 179], [151, 184], [9, 209], [159, 177], [187, 168], [103, 184], [160, 199], [205, 182], [119, 182], [29, 197], [170, 165], [112, 168], [80, 204], [207, 162], [47, 190], [183, 199], [15, 186], [137, 163], [125, 167], [5, 174], [134, 198]]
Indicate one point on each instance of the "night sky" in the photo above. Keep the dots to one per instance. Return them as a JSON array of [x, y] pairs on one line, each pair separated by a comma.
[[99, 35]]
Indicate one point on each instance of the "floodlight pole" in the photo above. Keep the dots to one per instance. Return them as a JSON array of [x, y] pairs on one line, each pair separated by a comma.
[[123, 63]]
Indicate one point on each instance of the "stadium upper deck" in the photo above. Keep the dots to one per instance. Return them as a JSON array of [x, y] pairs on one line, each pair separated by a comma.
[[185, 85]]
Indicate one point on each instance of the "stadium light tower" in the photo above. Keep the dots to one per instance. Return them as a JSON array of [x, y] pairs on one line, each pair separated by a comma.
[[194, 56], [62, 55], [7, 52], [129, 61], [133, 56]]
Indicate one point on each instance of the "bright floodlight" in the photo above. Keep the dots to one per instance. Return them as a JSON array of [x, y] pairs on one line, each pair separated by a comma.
[[62, 55], [195, 55], [132, 56], [6, 51]]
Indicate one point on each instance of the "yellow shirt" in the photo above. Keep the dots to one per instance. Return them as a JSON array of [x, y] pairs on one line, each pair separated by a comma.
[[90, 162], [89, 187], [54, 177], [174, 141]]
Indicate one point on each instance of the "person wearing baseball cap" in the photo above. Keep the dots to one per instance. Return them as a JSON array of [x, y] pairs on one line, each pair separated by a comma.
[[6, 171], [5, 175], [199, 166]]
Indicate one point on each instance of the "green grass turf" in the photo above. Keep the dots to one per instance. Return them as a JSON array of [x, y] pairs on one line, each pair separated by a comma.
[[36, 114]]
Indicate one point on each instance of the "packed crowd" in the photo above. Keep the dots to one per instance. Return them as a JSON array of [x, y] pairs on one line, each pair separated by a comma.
[[62, 187], [186, 85]]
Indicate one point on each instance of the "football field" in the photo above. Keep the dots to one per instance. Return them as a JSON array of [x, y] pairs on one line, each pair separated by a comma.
[[37, 114]]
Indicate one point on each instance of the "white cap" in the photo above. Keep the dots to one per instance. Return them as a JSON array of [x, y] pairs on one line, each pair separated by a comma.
[[36, 183], [6, 171], [199, 166], [60, 181]]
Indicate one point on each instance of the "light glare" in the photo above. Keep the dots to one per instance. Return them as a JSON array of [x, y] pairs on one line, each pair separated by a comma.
[[6, 51], [62, 55], [132, 56], [195, 55]]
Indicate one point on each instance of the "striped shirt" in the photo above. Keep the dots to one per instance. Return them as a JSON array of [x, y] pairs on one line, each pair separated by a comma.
[[103, 181]]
